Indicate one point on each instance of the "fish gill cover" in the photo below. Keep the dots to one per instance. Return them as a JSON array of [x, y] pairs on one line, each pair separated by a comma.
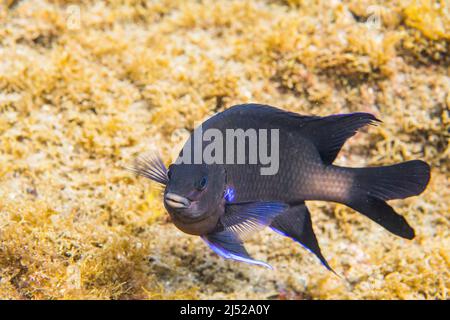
[[85, 86]]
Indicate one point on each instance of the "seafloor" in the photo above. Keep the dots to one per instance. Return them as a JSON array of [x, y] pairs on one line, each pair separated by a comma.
[[85, 86]]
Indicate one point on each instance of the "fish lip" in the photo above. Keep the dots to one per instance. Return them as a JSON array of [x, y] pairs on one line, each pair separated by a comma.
[[176, 201], [190, 220]]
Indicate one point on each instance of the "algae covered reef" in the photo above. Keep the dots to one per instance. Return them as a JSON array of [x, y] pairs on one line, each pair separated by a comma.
[[85, 86]]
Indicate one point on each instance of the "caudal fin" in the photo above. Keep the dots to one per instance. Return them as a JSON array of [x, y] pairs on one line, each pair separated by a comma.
[[373, 186], [398, 181]]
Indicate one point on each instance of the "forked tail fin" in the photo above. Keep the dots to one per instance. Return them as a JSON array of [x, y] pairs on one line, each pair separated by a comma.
[[373, 186], [398, 181]]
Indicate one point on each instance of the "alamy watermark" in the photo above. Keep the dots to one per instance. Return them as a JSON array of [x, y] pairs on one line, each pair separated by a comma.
[[73, 13], [374, 21], [234, 146]]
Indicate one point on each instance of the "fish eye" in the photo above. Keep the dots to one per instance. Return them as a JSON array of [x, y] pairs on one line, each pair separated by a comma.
[[202, 183]]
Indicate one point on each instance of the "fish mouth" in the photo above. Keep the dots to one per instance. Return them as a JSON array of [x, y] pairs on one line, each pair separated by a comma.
[[176, 201]]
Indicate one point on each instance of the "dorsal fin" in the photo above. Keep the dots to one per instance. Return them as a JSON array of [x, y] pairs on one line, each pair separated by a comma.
[[329, 134]]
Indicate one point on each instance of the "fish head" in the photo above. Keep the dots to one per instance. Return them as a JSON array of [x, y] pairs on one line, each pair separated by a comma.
[[194, 196]]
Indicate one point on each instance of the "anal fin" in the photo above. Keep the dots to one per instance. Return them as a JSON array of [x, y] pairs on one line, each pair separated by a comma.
[[296, 224]]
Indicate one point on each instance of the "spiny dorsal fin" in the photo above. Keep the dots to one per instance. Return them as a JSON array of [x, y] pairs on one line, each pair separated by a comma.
[[328, 134]]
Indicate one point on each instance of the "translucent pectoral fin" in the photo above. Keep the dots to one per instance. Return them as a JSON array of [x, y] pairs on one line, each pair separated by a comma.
[[151, 167], [244, 219], [229, 246]]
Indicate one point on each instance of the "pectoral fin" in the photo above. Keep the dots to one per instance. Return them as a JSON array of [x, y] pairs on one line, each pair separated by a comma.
[[228, 245], [296, 224], [239, 221], [151, 167], [244, 219]]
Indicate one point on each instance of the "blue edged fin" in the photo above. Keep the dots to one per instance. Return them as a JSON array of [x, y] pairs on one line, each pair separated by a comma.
[[228, 245], [244, 219], [296, 224], [239, 221]]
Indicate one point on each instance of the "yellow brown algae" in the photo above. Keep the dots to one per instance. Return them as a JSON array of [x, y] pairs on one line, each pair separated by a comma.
[[85, 86]]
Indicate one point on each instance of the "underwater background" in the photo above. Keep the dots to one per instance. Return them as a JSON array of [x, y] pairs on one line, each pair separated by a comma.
[[86, 86]]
